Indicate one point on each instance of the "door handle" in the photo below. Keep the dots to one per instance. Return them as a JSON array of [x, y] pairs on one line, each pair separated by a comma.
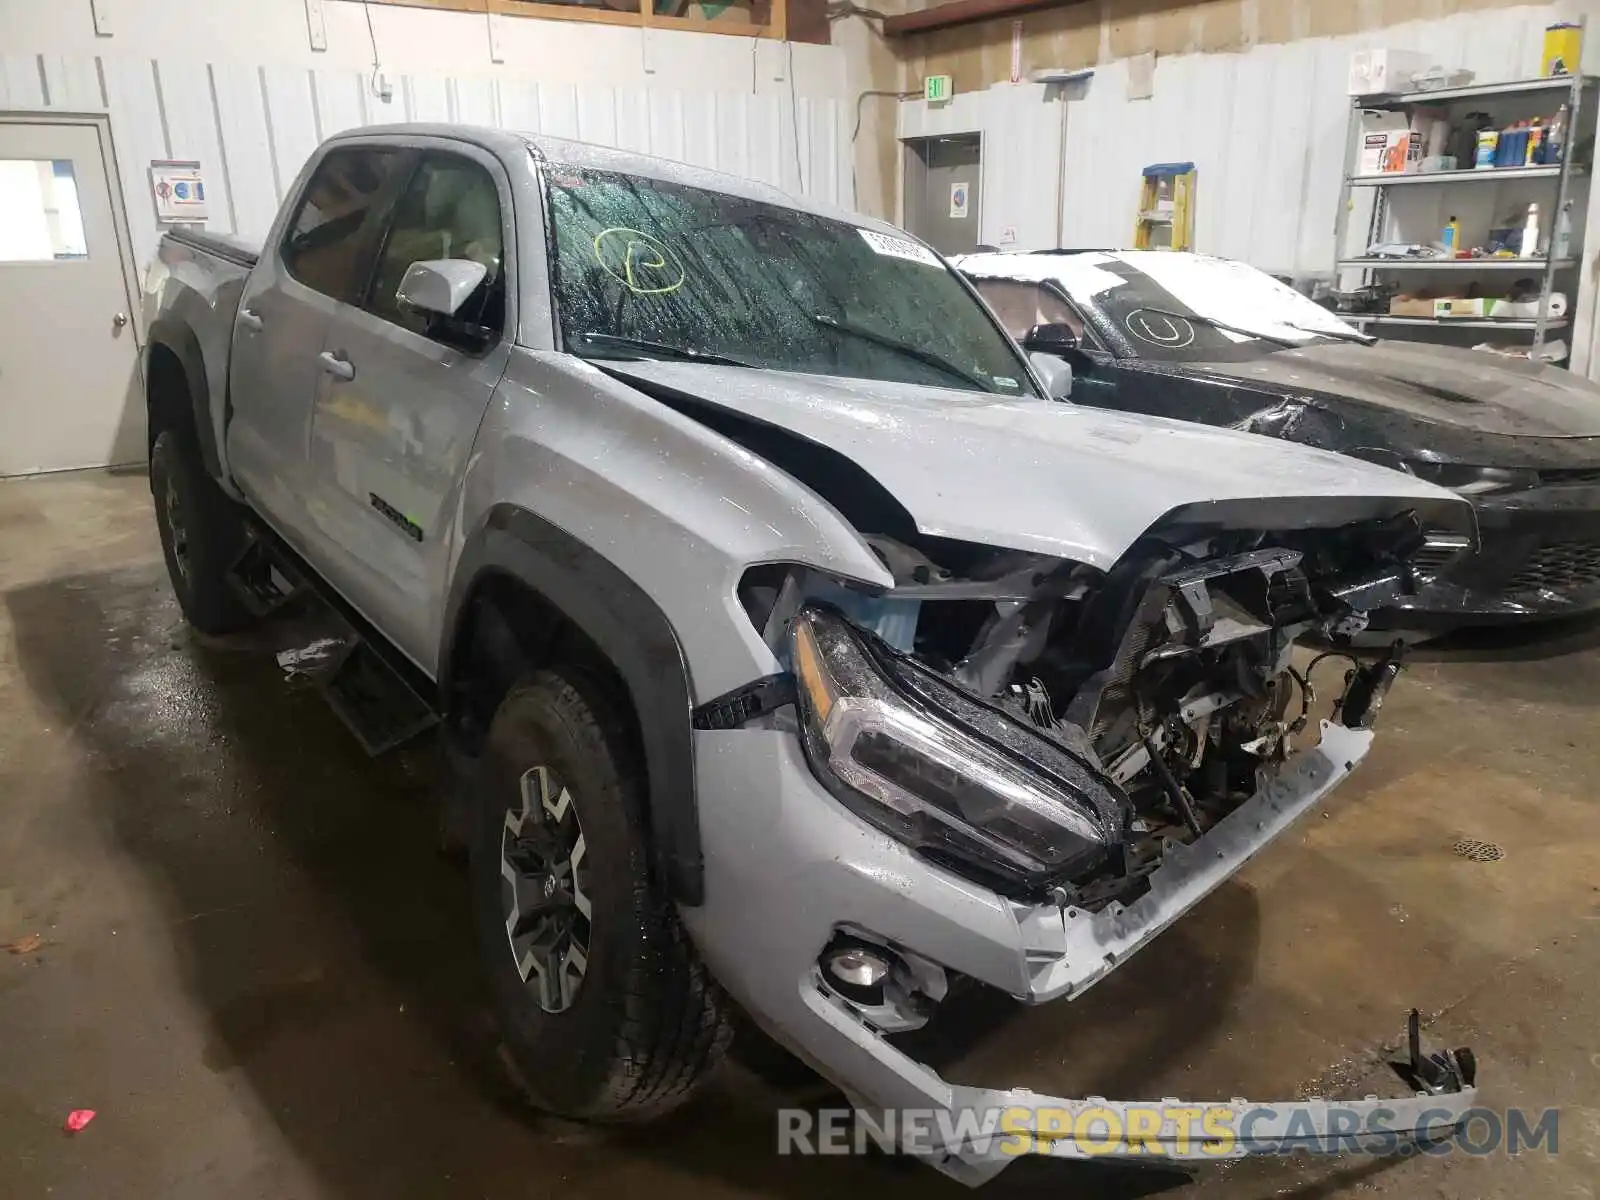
[[339, 368], [249, 320], [119, 320]]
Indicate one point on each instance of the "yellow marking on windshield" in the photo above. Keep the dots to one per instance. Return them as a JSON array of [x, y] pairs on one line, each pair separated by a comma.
[[641, 263]]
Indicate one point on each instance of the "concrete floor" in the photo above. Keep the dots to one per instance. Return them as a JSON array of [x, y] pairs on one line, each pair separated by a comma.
[[257, 968]]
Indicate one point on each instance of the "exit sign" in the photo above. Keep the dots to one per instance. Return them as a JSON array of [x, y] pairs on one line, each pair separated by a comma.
[[936, 87]]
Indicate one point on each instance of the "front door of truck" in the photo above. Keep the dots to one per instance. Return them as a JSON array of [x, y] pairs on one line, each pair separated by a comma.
[[404, 391], [312, 263]]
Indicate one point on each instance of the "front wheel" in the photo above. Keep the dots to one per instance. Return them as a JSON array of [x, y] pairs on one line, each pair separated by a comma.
[[201, 533], [606, 1009]]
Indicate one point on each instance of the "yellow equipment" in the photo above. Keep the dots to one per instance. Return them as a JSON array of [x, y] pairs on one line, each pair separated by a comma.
[[1166, 208]]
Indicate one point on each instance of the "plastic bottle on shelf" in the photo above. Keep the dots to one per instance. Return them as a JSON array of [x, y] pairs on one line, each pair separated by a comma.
[[1488, 147], [1530, 155], [1555, 142], [1450, 236], [1561, 242], [1530, 234]]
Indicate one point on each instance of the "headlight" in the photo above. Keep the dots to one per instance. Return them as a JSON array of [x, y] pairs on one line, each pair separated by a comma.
[[953, 778], [1475, 481]]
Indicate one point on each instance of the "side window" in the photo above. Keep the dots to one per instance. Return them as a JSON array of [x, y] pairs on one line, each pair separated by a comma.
[[450, 209], [324, 247], [1020, 306]]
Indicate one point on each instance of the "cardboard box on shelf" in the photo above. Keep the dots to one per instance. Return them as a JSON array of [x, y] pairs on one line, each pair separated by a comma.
[[1388, 144], [1411, 306], [1460, 306], [1383, 71]]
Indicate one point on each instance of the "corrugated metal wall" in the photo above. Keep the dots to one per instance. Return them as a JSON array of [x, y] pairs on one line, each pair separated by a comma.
[[1266, 128], [252, 127]]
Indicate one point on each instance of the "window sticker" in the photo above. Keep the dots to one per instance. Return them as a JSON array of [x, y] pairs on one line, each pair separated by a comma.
[[898, 247]]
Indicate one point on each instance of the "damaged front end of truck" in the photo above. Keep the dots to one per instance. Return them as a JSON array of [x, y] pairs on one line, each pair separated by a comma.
[[1065, 760]]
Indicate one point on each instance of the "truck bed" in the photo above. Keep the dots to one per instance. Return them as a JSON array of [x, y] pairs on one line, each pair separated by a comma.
[[224, 245]]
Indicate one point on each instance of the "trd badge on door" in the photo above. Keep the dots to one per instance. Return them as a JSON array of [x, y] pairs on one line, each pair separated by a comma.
[[411, 529]]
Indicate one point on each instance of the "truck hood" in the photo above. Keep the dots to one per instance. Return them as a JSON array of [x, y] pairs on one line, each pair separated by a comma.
[[1047, 476], [1435, 385]]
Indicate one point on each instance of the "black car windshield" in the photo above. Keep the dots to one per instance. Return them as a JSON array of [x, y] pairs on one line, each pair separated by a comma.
[[1193, 308], [645, 268]]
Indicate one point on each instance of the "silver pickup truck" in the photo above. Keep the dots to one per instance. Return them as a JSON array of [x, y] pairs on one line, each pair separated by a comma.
[[794, 642]]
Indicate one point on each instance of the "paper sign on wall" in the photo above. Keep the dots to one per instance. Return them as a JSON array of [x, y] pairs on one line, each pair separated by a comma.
[[180, 193], [958, 199]]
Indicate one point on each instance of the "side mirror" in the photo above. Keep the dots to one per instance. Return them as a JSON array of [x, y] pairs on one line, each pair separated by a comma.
[[1051, 339], [1056, 373], [440, 285]]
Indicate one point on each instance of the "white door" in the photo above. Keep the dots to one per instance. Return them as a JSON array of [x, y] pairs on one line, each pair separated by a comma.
[[69, 394]]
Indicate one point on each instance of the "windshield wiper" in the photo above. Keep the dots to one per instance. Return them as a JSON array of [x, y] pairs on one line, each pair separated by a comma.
[[650, 349], [1338, 335], [1287, 343], [926, 357]]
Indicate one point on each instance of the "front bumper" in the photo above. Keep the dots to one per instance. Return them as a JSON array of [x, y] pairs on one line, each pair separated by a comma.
[[787, 868], [1539, 557]]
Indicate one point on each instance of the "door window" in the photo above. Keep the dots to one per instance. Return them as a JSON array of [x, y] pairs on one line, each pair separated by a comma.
[[1021, 305], [324, 248], [39, 216], [450, 209]]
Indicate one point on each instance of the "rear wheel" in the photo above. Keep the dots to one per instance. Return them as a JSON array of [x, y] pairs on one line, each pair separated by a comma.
[[607, 1012], [201, 534]]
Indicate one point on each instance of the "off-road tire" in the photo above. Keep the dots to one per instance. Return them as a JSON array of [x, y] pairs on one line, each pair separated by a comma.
[[212, 534], [647, 1023]]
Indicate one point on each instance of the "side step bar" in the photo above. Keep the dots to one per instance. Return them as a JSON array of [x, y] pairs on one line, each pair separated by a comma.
[[374, 702], [262, 580], [375, 690]]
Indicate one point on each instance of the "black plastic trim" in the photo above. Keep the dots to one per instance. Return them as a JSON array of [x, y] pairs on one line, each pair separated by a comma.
[[180, 339], [630, 629]]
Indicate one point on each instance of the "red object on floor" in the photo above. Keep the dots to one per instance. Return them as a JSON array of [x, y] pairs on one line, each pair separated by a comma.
[[78, 1118]]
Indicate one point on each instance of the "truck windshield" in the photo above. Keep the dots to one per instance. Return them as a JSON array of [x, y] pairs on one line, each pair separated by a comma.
[[643, 268]]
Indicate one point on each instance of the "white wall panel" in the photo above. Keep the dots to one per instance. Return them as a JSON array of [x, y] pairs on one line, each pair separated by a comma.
[[292, 130], [252, 178], [72, 83], [252, 128], [558, 109], [21, 81], [136, 128], [518, 105], [341, 100], [474, 101], [423, 98], [191, 123]]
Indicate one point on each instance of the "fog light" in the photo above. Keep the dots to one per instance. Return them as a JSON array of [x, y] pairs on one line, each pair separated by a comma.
[[857, 972]]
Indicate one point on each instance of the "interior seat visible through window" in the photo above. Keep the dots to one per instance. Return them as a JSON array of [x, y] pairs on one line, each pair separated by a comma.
[[450, 209]]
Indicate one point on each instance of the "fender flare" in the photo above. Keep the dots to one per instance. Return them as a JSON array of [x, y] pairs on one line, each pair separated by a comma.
[[630, 629], [179, 338]]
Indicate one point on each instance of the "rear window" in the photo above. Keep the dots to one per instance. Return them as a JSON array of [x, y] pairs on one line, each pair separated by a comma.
[[326, 245]]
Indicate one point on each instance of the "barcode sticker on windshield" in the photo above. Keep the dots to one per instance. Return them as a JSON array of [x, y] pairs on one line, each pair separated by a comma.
[[898, 247]]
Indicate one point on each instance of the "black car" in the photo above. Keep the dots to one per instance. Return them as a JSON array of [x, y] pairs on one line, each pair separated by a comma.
[[1218, 342]]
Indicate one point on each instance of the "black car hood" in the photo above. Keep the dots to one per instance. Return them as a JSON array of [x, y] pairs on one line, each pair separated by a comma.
[[1435, 385]]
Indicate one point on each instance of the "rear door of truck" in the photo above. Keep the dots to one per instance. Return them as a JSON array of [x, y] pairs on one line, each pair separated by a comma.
[[316, 258]]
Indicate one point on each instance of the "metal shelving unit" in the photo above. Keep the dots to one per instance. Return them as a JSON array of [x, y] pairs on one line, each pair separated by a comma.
[[1495, 175], [1577, 92], [1457, 264], [1452, 322]]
